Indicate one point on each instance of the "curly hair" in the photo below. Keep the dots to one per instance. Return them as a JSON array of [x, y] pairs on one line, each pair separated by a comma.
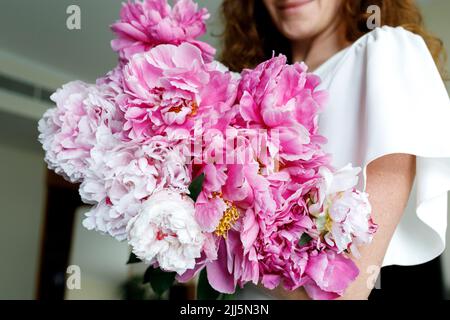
[[250, 36]]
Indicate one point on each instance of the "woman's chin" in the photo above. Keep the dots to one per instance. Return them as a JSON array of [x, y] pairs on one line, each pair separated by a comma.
[[297, 32]]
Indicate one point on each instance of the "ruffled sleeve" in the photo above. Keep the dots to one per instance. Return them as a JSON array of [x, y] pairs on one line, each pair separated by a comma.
[[387, 96]]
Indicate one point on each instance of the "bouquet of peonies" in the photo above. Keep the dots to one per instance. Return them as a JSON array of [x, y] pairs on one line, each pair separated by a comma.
[[204, 171]]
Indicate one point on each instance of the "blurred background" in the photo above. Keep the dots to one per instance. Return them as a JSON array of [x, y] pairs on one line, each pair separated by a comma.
[[40, 215]]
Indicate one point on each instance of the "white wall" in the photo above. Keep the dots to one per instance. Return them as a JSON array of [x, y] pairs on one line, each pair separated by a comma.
[[102, 262], [21, 207]]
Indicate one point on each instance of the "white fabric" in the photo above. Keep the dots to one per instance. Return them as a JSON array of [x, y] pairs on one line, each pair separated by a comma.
[[386, 96]]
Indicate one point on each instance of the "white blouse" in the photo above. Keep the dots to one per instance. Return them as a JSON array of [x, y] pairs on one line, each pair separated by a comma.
[[386, 96]]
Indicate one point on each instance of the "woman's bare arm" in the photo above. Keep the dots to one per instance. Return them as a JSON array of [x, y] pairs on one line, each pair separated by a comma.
[[389, 182]]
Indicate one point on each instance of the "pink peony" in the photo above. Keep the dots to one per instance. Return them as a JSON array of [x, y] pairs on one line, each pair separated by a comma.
[[209, 211], [270, 194], [170, 87], [67, 132], [146, 24], [282, 259], [275, 190], [283, 98], [231, 267], [329, 274]]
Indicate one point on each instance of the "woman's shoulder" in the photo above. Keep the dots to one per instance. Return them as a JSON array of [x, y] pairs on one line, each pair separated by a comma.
[[394, 49], [390, 46], [386, 52], [395, 37], [388, 77]]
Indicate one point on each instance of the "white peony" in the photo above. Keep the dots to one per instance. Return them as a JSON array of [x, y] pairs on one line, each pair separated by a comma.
[[121, 175], [343, 214], [350, 223], [107, 219], [165, 232]]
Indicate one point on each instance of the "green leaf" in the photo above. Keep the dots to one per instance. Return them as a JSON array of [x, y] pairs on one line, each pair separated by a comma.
[[159, 280], [204, 289], [133, 259], [196, 187], [225, 296], [304, 239]]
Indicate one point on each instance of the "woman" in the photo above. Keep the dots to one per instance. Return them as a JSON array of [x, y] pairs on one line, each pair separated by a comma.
[[388, 111]]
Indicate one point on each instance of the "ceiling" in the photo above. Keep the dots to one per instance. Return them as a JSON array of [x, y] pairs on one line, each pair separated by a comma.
[[36, 30]]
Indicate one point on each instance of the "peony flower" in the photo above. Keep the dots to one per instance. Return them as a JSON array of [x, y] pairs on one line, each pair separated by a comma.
[[67, 132], [232, 267], [284, 99], [170, 87], [122, 175], [106, 219], [271, 196], [274, 215], [343, 213], [146, 24], [351, 225], [209, 211], [329, 275], [165, 232], [282, 259]]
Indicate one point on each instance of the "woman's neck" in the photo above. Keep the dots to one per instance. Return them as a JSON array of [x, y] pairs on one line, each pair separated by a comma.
[[319, 49]]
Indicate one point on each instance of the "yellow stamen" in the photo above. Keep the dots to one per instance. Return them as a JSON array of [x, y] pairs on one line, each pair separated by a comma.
[[216, 194], [328, 223], [194, 108], [176, 109], [230, 216], [262, 166]]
